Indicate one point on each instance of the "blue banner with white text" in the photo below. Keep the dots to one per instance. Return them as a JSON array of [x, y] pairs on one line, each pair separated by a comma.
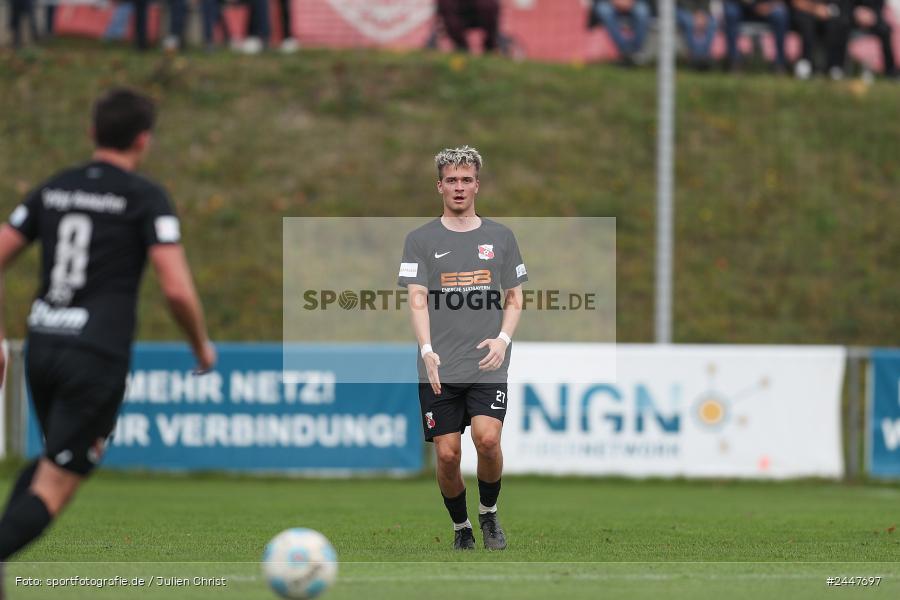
[[883, 429], [252, 415]]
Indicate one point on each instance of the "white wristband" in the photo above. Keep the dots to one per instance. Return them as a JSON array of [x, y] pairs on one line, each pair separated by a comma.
[[426, 349], [505, 338]]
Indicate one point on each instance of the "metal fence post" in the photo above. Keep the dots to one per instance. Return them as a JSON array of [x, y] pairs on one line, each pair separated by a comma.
[[665, 173], [855, 358], [17, 398]]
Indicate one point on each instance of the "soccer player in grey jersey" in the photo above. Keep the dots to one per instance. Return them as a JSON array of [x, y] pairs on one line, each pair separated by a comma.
[[464, 274]]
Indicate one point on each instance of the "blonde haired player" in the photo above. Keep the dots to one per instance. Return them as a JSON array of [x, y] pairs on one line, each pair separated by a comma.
[[464, 275]]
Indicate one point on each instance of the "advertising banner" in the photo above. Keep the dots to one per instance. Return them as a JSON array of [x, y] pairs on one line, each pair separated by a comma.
[[883, 424], [672, 411], [250, 415]]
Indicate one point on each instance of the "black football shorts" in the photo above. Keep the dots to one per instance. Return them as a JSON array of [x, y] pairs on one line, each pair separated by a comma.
[[458, 403], [76, 395]]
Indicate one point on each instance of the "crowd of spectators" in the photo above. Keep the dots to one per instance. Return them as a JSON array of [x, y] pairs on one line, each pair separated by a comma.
[[22, 14], [253, 40], [215, 32], [825, 28]]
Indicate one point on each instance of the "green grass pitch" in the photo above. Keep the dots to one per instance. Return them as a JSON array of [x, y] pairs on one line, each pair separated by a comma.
[[569, 538]]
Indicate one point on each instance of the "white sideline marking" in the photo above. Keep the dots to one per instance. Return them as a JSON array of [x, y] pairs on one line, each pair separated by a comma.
[[885, 493]]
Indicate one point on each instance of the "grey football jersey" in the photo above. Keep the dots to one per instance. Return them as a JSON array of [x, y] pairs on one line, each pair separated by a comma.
[[466, 274]]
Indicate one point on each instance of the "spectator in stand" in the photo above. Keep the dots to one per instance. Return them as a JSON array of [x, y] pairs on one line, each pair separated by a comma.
[[288, 42], [868, 16], [461, 15], [699, 29], [177, 19], [49, 16], [213, 16], [140, 23], [773, 12], [258, 27], [615, 14], [824, 26], [21, 10]]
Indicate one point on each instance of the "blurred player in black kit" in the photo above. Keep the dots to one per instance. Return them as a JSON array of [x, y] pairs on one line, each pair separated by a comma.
[[97, 224]]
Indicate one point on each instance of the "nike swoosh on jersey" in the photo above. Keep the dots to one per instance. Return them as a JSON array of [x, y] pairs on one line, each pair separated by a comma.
[[436, 255], [498, 407]]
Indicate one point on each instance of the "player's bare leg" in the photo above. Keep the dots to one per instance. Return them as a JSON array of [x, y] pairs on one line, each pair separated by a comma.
[[486, 436], [486, 433], [55, 486], [32, 509], [448, 450]]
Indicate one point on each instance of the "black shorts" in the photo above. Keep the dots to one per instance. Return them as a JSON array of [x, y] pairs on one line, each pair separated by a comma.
[[76, 394], [458, 403]]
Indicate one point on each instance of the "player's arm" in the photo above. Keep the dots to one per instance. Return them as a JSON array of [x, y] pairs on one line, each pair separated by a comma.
[[12, 242], [177, 286], [418, 303], [512, 311]]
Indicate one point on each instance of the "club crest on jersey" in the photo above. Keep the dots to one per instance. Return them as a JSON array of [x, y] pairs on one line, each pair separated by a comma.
[[486, 251], [385, 20], [429, 420]]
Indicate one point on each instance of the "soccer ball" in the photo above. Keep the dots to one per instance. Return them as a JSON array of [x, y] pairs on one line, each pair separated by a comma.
[[299, 563]]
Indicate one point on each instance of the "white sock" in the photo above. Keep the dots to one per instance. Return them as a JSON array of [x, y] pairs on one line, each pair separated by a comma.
[[483, 510], [458, 526]]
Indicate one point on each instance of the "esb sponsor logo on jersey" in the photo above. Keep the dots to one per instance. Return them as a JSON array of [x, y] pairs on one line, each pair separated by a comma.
[[485, 251], [384, 20], [464, 278]]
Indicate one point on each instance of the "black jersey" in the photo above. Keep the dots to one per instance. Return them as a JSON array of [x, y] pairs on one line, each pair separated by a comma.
[[95, 223], [465, 273]]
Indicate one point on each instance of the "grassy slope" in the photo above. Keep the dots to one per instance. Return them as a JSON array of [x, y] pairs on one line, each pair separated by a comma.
[[786, 191], [565, 522]]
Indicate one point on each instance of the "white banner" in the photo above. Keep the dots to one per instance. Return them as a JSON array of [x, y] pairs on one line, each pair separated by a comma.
[[696, 411]]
